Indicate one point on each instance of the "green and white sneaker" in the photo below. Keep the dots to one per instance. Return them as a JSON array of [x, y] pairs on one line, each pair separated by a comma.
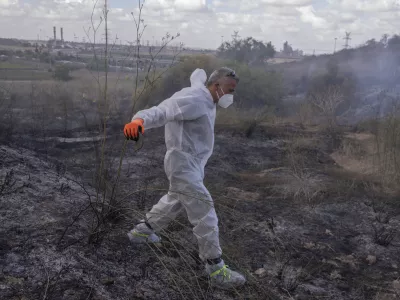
[[143, 234], [224, 278]]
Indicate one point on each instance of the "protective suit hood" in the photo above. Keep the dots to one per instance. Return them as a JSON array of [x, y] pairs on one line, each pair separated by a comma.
[[198, 78]]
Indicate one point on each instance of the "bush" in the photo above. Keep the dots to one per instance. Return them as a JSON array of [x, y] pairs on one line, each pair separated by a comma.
[[257, 87], [7, 118], [177, 78], [62, 73], [388, 148], [334, 79]]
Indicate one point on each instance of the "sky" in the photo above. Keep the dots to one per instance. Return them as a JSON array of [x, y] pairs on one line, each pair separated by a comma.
[[305, 24]]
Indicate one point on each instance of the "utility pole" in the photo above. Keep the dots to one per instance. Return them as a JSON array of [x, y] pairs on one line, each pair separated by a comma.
[[106, 33], [334, 49], [347, 38]]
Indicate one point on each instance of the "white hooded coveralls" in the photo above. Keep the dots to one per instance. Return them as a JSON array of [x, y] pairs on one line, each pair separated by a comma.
[[189, 118]]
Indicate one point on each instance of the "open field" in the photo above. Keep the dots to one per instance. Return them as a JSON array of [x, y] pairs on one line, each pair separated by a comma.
[[12, 47], [19, 74], [12, 65], [30, 72], [21, 70]]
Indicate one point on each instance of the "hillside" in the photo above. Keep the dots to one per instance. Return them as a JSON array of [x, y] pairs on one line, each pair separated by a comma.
[[373, 70], [297, 222]]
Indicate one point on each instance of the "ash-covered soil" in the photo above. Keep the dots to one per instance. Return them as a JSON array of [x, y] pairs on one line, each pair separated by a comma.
[[297, 224]]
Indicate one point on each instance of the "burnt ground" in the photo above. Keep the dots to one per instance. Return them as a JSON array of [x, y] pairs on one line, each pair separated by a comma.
[[297, 224]]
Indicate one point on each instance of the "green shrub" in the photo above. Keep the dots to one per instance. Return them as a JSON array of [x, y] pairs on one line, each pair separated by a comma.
[[257, 87], [62, 73]]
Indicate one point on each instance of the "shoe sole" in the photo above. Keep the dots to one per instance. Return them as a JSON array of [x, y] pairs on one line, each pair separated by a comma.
[[141, 242]]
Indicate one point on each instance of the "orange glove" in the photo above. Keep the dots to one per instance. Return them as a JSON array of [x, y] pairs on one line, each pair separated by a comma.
[[131, 130]]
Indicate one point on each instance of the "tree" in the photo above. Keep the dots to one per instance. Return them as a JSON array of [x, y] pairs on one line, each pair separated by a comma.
[[394, 43], [287, 49], [384, 40], [373, 46], [249, 51]]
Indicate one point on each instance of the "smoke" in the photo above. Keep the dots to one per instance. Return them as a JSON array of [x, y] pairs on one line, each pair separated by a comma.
[[373, 69]]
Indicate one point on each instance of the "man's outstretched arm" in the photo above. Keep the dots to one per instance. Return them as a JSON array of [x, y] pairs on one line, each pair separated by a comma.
[[176, 108], [153, 117]]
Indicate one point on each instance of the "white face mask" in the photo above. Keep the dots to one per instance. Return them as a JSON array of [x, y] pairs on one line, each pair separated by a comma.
[[226, 100]]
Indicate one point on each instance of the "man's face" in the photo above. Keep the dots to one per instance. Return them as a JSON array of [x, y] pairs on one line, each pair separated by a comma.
[[226, 85]]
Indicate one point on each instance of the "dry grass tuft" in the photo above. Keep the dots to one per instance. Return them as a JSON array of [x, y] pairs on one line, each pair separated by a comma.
[[246, 121], [375, 152], [357, 153], [304, 186]]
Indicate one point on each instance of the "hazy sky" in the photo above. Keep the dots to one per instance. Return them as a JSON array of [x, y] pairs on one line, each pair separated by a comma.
[[306, 24]]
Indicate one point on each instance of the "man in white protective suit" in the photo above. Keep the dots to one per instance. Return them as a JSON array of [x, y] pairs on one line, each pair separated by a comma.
[[189, 118]]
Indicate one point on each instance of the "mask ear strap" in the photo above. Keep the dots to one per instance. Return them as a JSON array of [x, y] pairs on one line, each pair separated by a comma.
[[217, 94]]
